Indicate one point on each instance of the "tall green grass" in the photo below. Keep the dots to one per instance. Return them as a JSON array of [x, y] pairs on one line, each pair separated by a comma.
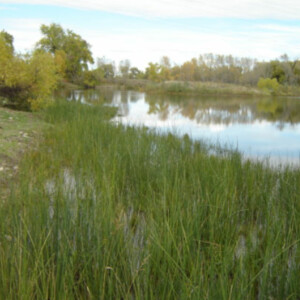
[[103, 211]]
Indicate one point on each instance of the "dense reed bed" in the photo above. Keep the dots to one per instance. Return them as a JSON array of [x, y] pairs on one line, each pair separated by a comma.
[[103, 211]]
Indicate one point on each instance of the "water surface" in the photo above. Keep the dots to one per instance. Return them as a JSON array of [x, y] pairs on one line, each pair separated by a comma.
[[258, 127]]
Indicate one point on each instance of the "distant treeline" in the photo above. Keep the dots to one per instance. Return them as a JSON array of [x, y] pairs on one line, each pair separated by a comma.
[[206, 68], [28, 80]]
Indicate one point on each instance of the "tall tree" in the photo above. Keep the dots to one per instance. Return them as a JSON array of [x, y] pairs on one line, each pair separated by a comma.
[[77, 50], [165, 68], [187, 71], [124, 68], [54, 38], [106, 67], [26, 81], [8, 39], [152, 71]]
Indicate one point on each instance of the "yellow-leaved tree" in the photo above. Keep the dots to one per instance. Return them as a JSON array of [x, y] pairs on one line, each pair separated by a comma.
[[26, 81], [42, 74], [6, 57]]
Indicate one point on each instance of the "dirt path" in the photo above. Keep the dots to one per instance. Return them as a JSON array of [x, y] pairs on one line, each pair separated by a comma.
[[19, 131]]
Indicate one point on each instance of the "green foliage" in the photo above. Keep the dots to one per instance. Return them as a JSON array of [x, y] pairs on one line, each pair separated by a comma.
[[77, 50], [135, 73], [277, 71], [269, 84], [78, 55], [26, 81], [106, 68], [43, 79], [92, 78], [8, 39], [54, 38], [178, 88], [60, 58], [187, 71], [165, 68], [152, 72], [6, 57], [124, 68]]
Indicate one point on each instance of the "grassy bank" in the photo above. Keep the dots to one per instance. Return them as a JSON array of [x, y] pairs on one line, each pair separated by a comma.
[[202, 88], [188, 87], [19, 132], [107, 212]]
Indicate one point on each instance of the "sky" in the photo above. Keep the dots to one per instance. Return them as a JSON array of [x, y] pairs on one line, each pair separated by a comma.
[[145, 30]]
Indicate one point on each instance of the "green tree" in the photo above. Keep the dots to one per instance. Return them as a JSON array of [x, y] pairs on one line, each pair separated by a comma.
[[42, 75], [77, 50], [78, 55], [26, 81], [165, 68], [135, 73], [277, 71], [8, 39], [6, 56], [268, 84], [106, 67], [152, 72], [187, 71], [54, 38], [175, 72], [60, 59], [124, 68]]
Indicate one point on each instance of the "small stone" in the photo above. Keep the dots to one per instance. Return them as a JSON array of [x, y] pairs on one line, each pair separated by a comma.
[[1, 169], [16, 167]]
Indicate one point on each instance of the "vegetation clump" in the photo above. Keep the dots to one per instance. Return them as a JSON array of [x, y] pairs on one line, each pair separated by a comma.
[[26, 81], [71, 52], [268, 84]]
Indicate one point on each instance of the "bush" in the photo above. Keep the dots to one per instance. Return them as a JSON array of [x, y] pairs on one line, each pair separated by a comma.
[[268, 84], [32, 76]]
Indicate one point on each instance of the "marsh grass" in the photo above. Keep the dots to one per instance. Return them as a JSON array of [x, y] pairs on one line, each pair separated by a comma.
[[176, 87], [103, 211]]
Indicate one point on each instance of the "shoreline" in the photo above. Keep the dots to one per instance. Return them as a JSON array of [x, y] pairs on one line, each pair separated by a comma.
[[19, 132], [199, 88]]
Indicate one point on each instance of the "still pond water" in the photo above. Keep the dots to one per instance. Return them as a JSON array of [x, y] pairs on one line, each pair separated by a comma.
[[258, 127]]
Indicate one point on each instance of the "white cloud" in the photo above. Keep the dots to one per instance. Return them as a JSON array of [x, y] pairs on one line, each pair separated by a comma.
[[274, 9], [150, 45], [26, 32], [143, 45]]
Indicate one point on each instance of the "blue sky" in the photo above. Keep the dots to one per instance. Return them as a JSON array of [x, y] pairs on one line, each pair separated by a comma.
[[146, 30]]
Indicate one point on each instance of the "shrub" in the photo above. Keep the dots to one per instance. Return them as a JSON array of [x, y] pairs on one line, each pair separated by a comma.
[[33, 76], [268, 84]]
